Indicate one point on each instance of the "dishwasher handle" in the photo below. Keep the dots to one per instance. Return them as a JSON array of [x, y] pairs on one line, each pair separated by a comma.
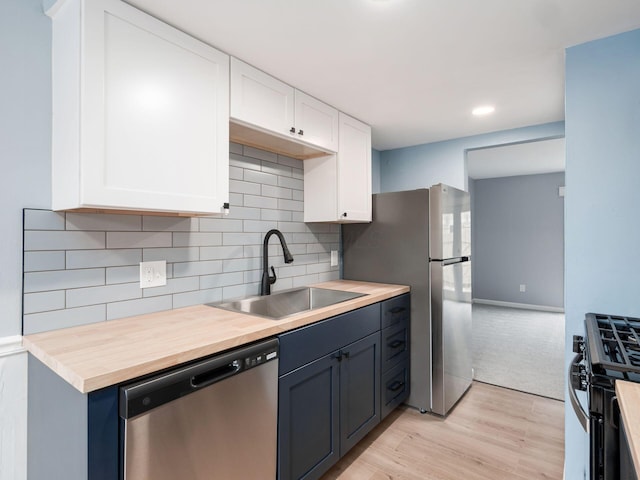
[[153, 391], [217, 374]]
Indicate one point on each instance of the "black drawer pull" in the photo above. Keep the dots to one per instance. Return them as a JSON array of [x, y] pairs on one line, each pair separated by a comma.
[[395, 344], [337, 355], [395, 386], [397, 310]]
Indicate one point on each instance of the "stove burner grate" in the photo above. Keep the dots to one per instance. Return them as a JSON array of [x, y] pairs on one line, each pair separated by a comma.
[[614, 341]]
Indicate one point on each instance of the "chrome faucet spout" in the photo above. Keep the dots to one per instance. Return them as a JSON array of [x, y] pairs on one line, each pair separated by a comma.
[[268, 280]]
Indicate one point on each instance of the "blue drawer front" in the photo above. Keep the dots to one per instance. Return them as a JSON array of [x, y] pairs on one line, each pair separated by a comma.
[[309, 343]]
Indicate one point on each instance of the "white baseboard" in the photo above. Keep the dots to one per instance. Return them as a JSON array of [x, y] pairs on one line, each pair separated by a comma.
[[11, 345], [525, 306]]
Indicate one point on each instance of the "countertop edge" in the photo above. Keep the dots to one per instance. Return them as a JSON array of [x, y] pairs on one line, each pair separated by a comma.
[[36, 344]]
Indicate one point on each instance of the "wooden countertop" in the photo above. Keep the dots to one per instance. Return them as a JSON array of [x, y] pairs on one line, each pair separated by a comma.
[[629, 399], [94, 356]]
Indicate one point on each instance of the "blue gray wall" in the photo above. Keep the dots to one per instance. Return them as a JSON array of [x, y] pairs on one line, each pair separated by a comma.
[[375, 171], [602, 225], [25, 137], [518, 238], [421, 166]]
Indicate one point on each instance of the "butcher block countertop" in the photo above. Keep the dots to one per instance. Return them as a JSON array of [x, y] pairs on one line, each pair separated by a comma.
[[95, 356], [629, 399]]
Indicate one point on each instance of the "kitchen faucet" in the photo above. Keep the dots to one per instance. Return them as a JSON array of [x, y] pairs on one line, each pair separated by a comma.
[[267, 280]]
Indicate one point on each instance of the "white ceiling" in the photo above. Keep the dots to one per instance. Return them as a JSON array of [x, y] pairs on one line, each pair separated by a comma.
[[545, 156], [412, 69]]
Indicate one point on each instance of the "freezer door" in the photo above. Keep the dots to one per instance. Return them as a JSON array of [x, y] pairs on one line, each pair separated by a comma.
[[450, 222], [451, 328]]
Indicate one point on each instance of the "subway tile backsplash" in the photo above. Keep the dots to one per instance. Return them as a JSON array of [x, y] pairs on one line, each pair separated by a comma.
[[84, 268]]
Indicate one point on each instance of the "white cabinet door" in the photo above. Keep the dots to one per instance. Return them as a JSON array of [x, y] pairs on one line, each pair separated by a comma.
[[261, 100], [354, 170], [146, 127], [337, 188], [264, 103], [316, 122]]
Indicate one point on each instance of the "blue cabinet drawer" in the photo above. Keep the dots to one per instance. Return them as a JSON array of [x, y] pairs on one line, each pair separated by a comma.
[[395, 388], [396, 310], [395, 344], [309, 343]]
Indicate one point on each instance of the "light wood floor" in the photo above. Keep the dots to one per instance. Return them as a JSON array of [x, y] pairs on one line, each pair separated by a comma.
[[492, 434]]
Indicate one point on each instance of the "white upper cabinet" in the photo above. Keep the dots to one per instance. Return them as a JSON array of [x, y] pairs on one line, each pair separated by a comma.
[[316, 122], [354, 170], [259, 99], [337, 188], [140, 113], [262, 102]]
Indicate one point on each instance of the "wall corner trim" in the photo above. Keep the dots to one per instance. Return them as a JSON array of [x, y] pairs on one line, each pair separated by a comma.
[[11, 345]]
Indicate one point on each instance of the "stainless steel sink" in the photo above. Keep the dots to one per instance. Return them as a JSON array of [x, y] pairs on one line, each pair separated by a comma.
[[282, 304]]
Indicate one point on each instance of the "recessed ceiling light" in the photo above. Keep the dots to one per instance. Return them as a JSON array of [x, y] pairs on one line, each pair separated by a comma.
[[483, 110]]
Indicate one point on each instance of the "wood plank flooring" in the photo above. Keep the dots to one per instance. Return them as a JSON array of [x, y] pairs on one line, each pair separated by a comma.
[[492, 434]]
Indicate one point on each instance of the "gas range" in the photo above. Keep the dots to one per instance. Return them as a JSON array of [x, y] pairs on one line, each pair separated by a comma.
[[610, 352], [614, 345]]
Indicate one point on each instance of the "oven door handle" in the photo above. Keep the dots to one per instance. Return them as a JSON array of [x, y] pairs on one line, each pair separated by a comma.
[[583, 417]]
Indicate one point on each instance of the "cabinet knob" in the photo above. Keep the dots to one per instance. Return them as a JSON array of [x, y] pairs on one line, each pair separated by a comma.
[[344, 214], [300, 132], [292, 129]]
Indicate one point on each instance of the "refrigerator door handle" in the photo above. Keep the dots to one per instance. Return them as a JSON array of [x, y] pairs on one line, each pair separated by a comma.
[[452, 261]]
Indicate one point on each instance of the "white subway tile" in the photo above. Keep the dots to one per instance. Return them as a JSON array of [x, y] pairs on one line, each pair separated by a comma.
[[156, 223], [221, 224], [260, 154], [170, 255], [63, 279], [79, 297], [221, 280], [260, 178], [69, 317], [196, 239], [189, 269], [55, 240], [260, 202], [239, 186], [174, 285], [129, 308], [102, 258], [44, 260], [197, 298], [44, 301], [221, 253], [43, 220], [138, 239], [103, 222]]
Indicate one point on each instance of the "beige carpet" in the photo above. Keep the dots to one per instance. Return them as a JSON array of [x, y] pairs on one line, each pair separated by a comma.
[[519, 349]]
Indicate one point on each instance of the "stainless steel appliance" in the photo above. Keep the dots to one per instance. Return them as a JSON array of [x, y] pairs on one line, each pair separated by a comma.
[[211, 420], [422, 238], [609, 352]]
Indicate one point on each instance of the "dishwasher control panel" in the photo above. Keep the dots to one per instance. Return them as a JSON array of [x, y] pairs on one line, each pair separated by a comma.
[[260, 358]]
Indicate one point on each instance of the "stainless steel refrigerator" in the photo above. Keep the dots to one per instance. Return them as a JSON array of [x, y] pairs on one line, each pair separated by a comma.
[[422, 238]]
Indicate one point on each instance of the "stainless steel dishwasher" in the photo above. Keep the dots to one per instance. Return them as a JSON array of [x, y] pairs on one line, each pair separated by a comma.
[[210, 420]]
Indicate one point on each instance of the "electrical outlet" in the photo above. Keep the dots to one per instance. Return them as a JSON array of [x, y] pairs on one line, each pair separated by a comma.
[[334, 258], [523, 288], [153, 274]]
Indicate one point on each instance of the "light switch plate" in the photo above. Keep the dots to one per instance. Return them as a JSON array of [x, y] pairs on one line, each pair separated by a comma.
[[153, 274], [334, 258], [523, 288]]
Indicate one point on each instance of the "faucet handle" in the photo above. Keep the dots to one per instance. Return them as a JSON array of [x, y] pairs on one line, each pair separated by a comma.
[[272, 278]]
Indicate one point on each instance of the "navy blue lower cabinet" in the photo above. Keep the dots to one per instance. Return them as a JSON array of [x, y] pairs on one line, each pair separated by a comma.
[[359, 390], [308, 420]]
